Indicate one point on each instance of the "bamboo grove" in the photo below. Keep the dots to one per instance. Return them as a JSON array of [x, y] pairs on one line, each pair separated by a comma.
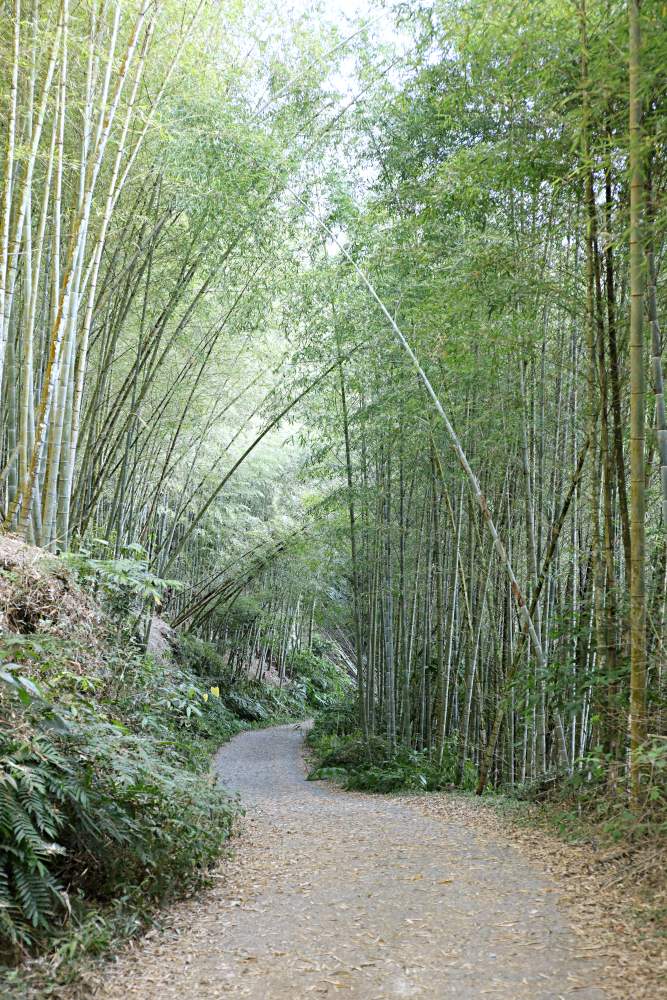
[[511, 242], [379, 372], [139, 349], [501, 440]]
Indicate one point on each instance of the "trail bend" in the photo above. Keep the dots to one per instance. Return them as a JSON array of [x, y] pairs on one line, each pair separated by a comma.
[[338, 894]]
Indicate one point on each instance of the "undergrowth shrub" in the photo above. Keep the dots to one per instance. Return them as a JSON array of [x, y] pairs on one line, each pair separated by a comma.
[[104, 787], [324, 684], [405, 769], [107, 805], [339, 720], [313, 683], [201, 657], [245, 706], [373, 765], [594, 797], [123, 586], [106, 802], [87, 809]]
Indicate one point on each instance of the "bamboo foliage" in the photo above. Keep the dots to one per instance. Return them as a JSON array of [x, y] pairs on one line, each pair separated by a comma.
[[199, 313], [87, 223], [516, 299]]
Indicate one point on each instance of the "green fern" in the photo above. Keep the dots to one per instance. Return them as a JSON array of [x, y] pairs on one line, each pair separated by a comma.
[[90, 811]]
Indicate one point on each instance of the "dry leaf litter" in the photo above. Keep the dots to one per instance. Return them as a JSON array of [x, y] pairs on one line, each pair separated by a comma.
[[367, 897]]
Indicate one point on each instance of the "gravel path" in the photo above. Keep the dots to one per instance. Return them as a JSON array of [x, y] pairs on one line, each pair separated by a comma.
[[360, 896]]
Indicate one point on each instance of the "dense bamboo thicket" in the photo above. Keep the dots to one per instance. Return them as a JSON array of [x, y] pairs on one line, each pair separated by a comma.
[[496, 430], [505, 457], [449, 279], [140, 258]]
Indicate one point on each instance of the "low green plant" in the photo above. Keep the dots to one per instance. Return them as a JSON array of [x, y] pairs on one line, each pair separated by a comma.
[[593, 801], [200, 657], [409, 770], [86, 808], [313, 683], [122, 585], [245, 706], [338, 720], [106, 802], [324, 683], [373, 765]]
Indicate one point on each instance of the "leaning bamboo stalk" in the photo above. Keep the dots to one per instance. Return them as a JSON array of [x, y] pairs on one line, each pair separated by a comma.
[[115, 443], [168, 468], [150, 367], [501, 551], [251, 447]]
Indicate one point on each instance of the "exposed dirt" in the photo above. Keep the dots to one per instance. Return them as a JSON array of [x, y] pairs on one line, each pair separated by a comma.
[[160, 637], [332, 893], [39, 595], [615, 897]]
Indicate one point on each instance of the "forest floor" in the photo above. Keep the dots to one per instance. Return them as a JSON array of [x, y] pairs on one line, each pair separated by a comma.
[[330, 893]]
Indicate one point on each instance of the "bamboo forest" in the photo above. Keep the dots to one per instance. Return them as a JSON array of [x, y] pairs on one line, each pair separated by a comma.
[[333, 499]]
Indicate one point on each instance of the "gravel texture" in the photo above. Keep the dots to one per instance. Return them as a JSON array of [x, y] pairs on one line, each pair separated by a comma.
[[331, 893]]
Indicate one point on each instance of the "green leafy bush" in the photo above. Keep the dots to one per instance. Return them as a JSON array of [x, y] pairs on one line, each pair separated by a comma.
[[403, 769], [200, 657], [373, 765], [88, 809], [105, 794], [122, 585], [594, 797], [340, 719], [284, 703], [37, 786], [313, 683], [324, 683], [100, 795], [245, 706]]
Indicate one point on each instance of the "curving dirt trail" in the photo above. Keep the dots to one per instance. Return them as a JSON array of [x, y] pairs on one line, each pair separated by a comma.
[[358, 896]]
